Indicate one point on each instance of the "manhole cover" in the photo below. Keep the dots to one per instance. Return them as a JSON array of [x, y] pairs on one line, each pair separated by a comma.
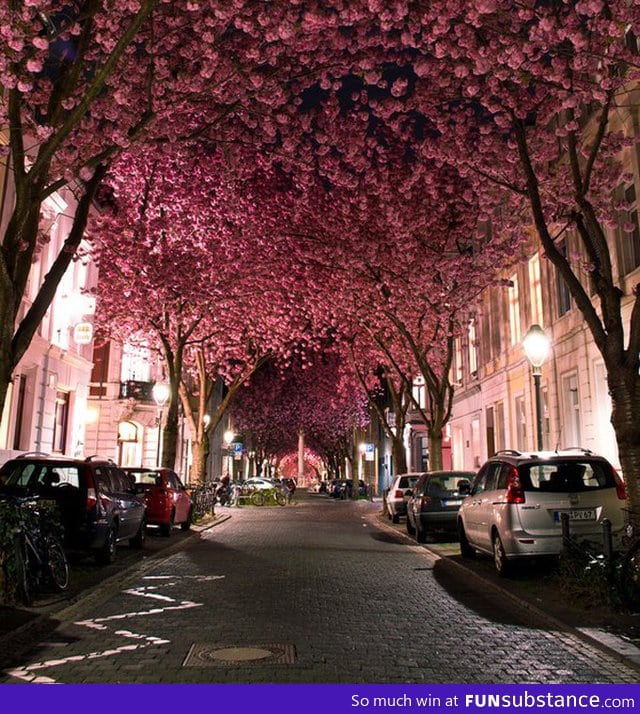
[[202, 654]]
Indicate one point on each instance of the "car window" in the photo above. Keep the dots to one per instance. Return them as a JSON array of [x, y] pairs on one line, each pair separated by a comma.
[[151, 478], [567, 476], [488, 477], [19, 473], [407, 481], [446, 483], [173, 481], [67, 476], [103, 480]]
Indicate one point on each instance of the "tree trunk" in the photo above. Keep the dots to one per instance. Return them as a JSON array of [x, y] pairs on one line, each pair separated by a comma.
[[399, 454], [435, 449], [625, 418], [199, 460]]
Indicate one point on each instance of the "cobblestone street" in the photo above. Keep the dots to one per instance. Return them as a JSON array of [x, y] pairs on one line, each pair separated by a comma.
[[315, 592]]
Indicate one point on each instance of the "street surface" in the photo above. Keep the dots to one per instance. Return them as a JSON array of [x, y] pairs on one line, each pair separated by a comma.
[[314, 592]]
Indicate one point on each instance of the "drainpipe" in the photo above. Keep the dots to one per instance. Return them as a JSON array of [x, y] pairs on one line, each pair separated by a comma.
[[42, 399]]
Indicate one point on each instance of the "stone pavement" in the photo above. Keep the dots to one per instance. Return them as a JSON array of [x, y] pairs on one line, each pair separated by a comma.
[[317, 592]]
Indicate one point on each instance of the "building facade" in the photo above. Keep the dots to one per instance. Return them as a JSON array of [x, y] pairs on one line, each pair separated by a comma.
[[47, 401]]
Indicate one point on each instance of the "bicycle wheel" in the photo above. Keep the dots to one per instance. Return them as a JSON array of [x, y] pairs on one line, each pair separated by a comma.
[[281, 499], [629, 583], [257, 499], [57, 565], [24, 589]]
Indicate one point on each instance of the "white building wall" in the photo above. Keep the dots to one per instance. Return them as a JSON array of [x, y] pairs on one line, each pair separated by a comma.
[[53, 365]]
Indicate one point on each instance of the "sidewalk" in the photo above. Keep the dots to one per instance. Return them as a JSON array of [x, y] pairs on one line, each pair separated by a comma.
[[19, 625]]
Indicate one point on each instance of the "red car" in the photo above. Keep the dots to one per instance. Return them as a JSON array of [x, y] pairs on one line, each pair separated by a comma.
[[168, 502]]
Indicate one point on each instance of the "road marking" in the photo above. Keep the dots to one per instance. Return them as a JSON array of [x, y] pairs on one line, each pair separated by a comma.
[[27, 673]]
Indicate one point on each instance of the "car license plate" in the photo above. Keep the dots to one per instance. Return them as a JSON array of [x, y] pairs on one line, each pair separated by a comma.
[[452, 503], [578, 514]]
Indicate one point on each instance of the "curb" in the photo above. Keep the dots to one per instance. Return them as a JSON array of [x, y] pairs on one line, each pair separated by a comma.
[[614, 646], [44, 622]]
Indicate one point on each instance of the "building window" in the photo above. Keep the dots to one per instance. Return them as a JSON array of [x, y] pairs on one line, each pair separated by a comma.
[[535, 291], [60, 422], [563, 295], [457, 362], [629, 235], [418, 391], [571, 408], [514, 310], [491, 434], [473, 348], [20, 412], [499, 426], [135, 364]]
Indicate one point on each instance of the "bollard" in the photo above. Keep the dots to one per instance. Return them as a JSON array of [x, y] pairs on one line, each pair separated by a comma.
[[607, 543], [566, 535]]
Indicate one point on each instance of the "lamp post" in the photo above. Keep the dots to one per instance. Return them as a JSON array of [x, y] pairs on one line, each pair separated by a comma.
[[228, 438], [161, 394], [536, 347]]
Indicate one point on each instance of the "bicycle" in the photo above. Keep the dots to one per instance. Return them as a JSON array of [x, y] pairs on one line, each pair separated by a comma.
[[628, 572], [268, 497], [38, 554]]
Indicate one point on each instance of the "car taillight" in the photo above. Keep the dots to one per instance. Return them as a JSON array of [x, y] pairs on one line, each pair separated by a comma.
[[515, 492], [621, 490], [92, 497], [398, 494]]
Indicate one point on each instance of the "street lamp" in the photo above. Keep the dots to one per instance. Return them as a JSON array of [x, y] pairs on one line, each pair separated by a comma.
[[536, 345], [160, 392]]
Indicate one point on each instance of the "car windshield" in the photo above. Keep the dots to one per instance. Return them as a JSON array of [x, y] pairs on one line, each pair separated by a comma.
[[567, 476], [152, 478], [447, 483]]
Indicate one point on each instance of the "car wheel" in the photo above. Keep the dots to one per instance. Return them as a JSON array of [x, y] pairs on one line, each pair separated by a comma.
[[107, 554], [421, 535], [186, 525], [466, 551], [410, 529], [499, 557], [166, 528], [138, 539]]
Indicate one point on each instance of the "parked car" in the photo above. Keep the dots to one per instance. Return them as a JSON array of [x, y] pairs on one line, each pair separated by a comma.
[[98, 504], [168, 501], [398, 495], [516, 500], [261, 484], [436, 498], [343, 488]]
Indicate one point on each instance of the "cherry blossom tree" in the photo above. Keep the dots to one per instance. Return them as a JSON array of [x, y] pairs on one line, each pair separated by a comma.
[[183, 279], [313, 393]]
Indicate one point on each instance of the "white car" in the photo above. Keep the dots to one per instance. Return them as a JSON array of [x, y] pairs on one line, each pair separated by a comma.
[[261, 484], [398, 495], [515, 505]]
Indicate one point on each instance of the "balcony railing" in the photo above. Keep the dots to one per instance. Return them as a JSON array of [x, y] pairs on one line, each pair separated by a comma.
[[141, 391]]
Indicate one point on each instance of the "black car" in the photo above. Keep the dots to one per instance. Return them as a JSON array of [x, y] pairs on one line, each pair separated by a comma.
[[434, 504], [344, 489], [98, 503]]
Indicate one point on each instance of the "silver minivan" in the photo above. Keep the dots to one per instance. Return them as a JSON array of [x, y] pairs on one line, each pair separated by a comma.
[[516, 500]]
